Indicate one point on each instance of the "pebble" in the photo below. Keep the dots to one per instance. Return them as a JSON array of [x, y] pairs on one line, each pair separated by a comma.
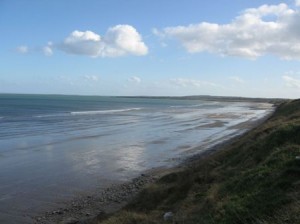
[[112, 195], [70, 221], [168, 216]]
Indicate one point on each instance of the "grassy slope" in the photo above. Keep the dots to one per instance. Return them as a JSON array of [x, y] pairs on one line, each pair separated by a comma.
[[254, 180]]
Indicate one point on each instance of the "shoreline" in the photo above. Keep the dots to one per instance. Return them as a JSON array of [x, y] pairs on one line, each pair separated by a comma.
[[101, 202]]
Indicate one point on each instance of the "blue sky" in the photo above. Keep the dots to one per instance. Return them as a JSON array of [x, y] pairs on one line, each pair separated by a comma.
[[139, 47]]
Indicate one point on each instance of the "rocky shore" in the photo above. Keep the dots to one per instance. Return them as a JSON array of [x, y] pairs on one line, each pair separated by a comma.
[[101, 202]]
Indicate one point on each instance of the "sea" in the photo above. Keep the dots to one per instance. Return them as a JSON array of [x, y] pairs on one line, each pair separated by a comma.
[[54, 147]]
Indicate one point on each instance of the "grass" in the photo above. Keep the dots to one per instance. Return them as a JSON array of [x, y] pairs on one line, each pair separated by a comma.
[[256, 179]]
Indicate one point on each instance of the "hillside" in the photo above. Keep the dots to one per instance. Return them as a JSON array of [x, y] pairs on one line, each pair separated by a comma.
[[255, 179]]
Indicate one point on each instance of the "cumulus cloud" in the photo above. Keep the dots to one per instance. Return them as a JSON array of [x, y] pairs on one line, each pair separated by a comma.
[[135, 79], [291, 82], [23, 49], [182, 82], [118, 41], [268, 29]]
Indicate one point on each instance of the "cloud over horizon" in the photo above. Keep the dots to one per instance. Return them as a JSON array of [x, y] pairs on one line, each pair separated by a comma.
[[236, 79], [268, 29], [93, 78], [135, 79], [183, 82], [118, 41], [291, 82]]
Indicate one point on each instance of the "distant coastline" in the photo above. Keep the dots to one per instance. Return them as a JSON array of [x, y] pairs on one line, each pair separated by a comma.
[[192, 97], [215, 98]]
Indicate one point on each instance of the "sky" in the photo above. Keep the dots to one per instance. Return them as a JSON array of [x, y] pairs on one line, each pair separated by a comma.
[[151, 48]]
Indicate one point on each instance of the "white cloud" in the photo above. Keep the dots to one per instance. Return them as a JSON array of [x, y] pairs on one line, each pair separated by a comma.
[[291, 82], [135, 79], [237, 79], [82, 43], [93, 78], [47, 50], [297, 2], [23, 49], [268, 29], [192, 83], [118, 41]]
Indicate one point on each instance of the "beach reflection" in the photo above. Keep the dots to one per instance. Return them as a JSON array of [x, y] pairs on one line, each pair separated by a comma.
[[130, 158]]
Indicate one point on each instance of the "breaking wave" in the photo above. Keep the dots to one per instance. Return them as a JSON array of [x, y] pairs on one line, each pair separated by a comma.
[[102, 111]]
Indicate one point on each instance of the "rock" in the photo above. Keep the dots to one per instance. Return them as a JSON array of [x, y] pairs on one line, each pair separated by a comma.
[[168, 216], [297, 158]]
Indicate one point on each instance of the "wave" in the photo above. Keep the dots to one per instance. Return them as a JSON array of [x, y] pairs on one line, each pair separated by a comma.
[[92, 112], [102, 111], [186, 106], [51, 115]]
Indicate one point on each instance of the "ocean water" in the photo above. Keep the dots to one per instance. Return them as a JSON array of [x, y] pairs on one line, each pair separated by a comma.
[[52, 148]]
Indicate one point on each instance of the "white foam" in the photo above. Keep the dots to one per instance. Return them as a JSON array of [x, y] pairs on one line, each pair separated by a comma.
[[187, 106], [85, 113], [51, 115], [102, 111]]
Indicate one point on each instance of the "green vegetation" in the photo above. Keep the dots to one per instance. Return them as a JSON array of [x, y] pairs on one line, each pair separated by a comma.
[[255, 179]]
